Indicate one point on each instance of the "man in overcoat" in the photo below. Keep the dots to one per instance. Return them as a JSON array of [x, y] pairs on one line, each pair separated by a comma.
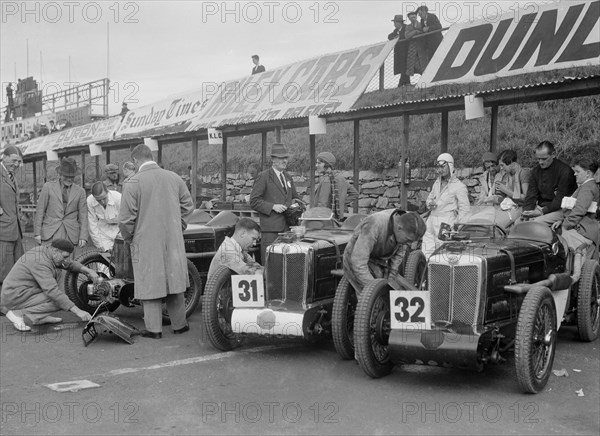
[[11, 234], [400, 50], [155, 208], [273, 192], [61, 211], [374, 251]]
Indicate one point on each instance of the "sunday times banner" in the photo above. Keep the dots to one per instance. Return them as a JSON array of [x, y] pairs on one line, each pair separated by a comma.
[[549, 37]]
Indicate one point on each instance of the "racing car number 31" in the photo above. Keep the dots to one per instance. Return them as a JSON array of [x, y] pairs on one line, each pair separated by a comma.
[[410, 308], [248, 290]]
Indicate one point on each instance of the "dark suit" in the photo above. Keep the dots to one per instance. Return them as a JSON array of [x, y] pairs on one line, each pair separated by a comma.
[[11, 234], [258, 69], [266, 192], [400, 54], [432, 41]]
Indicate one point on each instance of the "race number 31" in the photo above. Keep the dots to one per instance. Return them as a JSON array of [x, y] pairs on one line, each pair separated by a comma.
[[248, 291], [410, 308]]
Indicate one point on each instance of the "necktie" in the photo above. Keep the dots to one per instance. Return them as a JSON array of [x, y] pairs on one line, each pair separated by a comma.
[[12, 178], [283, 182], [65, 195]]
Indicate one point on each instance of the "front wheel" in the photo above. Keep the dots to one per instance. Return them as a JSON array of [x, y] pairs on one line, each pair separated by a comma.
[[372, 329], [416, 266], [192, 294], [217, 308], [535, 341], [588, 301], [76, 283], [342, 319]]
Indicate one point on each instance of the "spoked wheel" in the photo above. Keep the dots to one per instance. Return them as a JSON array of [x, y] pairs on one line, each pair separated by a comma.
[[535, 341], [415, 269], [372, 329], [588, 301], [76, 283], [192, 294], [217, 309], [342, 319]]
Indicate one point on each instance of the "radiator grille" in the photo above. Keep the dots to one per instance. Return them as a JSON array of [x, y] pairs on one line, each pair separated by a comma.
[[454, 293], [286, 276]]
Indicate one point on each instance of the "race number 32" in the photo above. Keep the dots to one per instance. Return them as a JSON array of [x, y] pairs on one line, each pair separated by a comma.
[[410, 308], [248, 291]]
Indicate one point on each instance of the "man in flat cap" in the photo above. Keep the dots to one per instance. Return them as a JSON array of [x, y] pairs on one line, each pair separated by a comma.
[[112, 181], [11, 234], [61, 211], [31, 292], [374, 251], [400, 50], [273, 192], [103, 215], [332, 190]]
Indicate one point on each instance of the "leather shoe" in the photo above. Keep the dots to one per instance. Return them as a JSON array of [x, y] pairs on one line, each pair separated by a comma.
[[148, 334], [182, 329]]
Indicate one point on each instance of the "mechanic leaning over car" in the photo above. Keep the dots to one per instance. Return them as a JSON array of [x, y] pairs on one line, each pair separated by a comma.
[[31, 288], [580, 229], [550, 181], [375, 249], [233, 252]]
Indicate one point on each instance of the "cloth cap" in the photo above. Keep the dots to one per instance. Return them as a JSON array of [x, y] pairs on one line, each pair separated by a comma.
[[68, 167], [413, 225], [399, 18], [278, 150], [99, 191], [111, 168], [63, 245], [490, 157], [327, 157]]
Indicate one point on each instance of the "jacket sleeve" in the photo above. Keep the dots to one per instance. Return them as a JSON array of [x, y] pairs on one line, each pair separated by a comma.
[[585, 197], [128, 212], [433, 22], [186, 204], [47, 283], [566, 179], [257, 201], [361, 253], [83, 216], [93, 227], [532, 192], [462, 198], [40, 210]]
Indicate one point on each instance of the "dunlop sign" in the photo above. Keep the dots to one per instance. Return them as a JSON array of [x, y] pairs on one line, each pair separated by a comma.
[[556, 36]]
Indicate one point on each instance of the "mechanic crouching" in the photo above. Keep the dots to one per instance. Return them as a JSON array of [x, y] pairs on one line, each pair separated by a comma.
[[374, 251], [31, 290]]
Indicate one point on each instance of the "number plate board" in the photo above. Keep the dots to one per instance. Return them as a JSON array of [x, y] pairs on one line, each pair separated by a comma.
[[410, 310], [248, 290]]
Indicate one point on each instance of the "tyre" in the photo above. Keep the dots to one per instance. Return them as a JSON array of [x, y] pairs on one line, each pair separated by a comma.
[[342, 319], [76, 283], [416, 266], [588, 301], [535, 341], [217, 308], [372, 329], [192, 294]]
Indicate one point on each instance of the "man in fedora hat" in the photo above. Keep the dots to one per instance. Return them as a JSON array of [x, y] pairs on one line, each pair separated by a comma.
[[112, 181], [273, 192], [400, 50], [103, 213], [61, 211]]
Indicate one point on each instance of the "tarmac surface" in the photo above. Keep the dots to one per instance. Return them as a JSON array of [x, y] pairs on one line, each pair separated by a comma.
[[181, 385]]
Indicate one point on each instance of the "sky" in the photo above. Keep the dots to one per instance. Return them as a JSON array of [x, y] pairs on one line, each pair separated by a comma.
[[153, 49]]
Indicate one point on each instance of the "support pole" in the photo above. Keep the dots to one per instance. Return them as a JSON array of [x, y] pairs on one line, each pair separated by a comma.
[[494, 130], [278, 134], [444, 148], [313, 160], [45, 169], [83, 169], [224, 170], [194, 175], [404, 157], [107, 157], [356, 162], [382, 77], [97, 165], [263, 160], [34, 182], [159, 154]]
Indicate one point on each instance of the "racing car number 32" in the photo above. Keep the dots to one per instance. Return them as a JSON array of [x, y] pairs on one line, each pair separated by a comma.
[[248, 291], [410, 308]]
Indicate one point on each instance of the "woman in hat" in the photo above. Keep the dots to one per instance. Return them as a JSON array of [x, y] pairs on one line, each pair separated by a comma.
[[448, 202], [333, 190]]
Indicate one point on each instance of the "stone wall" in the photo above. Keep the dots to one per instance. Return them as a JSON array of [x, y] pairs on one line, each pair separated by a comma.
[[378, 190]]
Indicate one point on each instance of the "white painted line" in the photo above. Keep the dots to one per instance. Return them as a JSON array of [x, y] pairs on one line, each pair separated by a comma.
[[72, 386]]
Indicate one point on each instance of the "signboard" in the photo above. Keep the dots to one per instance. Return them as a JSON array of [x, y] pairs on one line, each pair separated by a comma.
[[215, 137], [76, 116], [549, 37], [410, 310], [247, 290], [321, 85]]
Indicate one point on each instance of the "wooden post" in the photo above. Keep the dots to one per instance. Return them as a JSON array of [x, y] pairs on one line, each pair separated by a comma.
[[34, 182], [356, 162], [313, 160], [159, 154], [45, 169], [404, 157], [194, 175], [382, 77], [224, 171], [494, 130], [278, 134], [107, 156], [83, 169], [263, 161], [444, 147], [97, 165]]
